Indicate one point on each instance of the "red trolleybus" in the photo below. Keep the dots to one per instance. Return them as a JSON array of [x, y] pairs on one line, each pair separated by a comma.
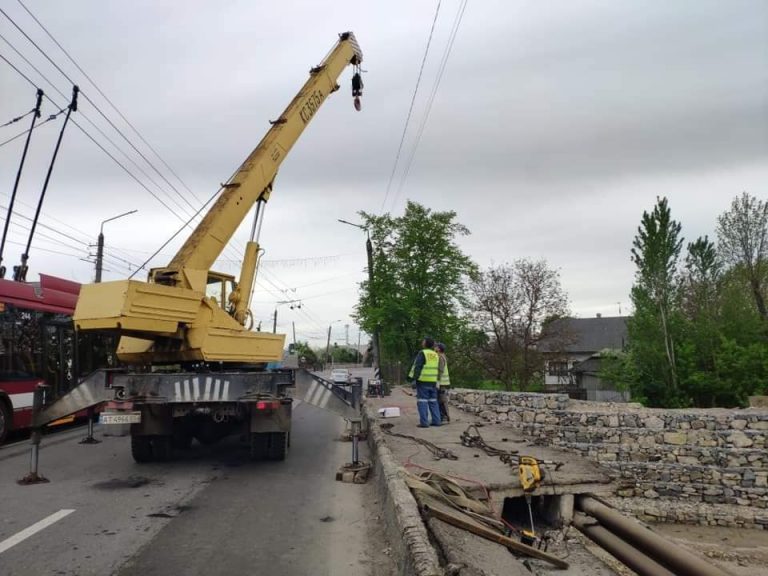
[[38, 345]]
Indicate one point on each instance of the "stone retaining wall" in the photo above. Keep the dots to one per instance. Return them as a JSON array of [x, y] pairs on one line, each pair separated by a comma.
[[695, 457]]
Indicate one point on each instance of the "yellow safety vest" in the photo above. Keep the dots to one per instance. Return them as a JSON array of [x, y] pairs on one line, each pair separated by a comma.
[[429, 370], [445, 381]]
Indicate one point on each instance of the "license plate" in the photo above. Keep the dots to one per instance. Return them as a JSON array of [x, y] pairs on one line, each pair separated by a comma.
[[120, 418]]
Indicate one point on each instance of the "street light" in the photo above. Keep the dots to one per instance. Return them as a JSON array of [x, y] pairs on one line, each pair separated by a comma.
[[100, 245], [371, 288]]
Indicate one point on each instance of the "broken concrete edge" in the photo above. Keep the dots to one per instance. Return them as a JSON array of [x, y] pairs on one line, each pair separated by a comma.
[[404, 525]]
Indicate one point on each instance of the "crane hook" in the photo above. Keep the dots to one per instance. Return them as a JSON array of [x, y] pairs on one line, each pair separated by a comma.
[[357, 87]]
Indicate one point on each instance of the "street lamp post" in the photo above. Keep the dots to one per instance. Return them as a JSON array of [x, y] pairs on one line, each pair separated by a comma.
[[100, 245], [371, 287]]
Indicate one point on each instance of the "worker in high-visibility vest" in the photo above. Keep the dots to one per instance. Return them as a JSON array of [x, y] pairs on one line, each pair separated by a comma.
[[443, 382], [424, 374]]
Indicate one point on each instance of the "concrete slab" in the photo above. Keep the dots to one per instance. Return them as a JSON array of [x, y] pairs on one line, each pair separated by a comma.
[[474, 469]]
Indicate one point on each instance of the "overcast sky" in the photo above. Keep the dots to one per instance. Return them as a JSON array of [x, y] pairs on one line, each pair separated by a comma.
[[554, 126]]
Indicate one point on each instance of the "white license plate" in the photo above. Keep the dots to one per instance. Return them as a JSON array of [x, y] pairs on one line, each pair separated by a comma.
[[120, 417]]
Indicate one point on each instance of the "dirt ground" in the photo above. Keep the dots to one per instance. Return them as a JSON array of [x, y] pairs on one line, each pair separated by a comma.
[[740, 551]]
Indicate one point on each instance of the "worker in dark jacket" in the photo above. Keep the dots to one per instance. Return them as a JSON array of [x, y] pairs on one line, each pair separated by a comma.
[[424, 373]]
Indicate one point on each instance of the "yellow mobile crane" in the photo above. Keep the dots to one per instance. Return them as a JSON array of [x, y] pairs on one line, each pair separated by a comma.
[[198, 366], [170, 319]]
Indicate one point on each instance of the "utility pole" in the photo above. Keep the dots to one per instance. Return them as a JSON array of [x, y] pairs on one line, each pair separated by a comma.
[[328, 346], [346, 334], [372, 288], [100, 244], [293, 323], [274, 323], [357, 356]]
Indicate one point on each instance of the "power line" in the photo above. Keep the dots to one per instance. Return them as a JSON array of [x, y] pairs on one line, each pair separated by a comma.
[[98, 110], [17, 118], [229, 248], [410, 109], [25, 132], [430, 101], [88, 135], [103, 95]]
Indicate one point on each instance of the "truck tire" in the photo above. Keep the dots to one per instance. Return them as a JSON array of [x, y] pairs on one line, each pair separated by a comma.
[[259, 445], [162, 448], [5, 420], [141, 449], [278, 446]]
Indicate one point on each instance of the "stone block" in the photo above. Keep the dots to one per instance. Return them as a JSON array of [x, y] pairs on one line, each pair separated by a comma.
[[653, 423], [529, 416], [759, 425], [676, 438], [739, 439]]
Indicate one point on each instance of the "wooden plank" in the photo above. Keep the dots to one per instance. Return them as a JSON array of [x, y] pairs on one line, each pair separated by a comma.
[[461, 521]]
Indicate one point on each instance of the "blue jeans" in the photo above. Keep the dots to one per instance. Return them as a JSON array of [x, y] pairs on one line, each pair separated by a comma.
[[426, 402]]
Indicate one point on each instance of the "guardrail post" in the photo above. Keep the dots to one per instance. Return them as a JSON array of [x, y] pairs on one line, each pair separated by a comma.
[[357, 393], [38, 400]]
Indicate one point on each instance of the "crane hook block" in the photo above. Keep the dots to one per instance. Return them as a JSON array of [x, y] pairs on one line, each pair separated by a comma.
[[357, 89]]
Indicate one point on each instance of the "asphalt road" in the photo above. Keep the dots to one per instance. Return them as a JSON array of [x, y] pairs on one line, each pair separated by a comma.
[[212, 512]]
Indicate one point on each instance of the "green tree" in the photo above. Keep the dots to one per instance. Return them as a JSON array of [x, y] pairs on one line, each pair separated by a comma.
[[309, 356], [742, 234], [419, 277], [653, 327]]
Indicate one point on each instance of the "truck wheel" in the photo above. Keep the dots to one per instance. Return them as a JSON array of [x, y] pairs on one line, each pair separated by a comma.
[[278, 446], [141, 449], [181, 438], [5, 421], [162, 448], [259, 445]]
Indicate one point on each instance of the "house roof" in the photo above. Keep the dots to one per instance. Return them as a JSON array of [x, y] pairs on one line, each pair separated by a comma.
[[584, 335], [589, 366]]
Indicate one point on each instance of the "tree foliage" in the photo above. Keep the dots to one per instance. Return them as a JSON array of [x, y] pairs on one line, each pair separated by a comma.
[[419, 278], [655, 252], [697, 335], [511, 304], [742, 233]]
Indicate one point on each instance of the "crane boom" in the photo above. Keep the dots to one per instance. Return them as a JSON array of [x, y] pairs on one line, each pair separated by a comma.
[[170, 319], [253, 180]]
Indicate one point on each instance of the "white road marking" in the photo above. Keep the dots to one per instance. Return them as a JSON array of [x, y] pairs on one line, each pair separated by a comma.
[[34, 529]]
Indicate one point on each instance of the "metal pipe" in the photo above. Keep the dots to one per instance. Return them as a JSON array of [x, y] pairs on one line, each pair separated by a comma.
[[617, 547], [677, 559]]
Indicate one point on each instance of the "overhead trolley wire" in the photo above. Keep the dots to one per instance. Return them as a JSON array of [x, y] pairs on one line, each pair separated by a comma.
[[87, 134], [443, 63], [98, 110], [410, 109], [103, 95], [95, 106], [228, 248], [17, 118], [20, 134]]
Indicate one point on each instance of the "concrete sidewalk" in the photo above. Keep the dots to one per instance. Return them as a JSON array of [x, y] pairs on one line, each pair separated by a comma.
[[481, 475]]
